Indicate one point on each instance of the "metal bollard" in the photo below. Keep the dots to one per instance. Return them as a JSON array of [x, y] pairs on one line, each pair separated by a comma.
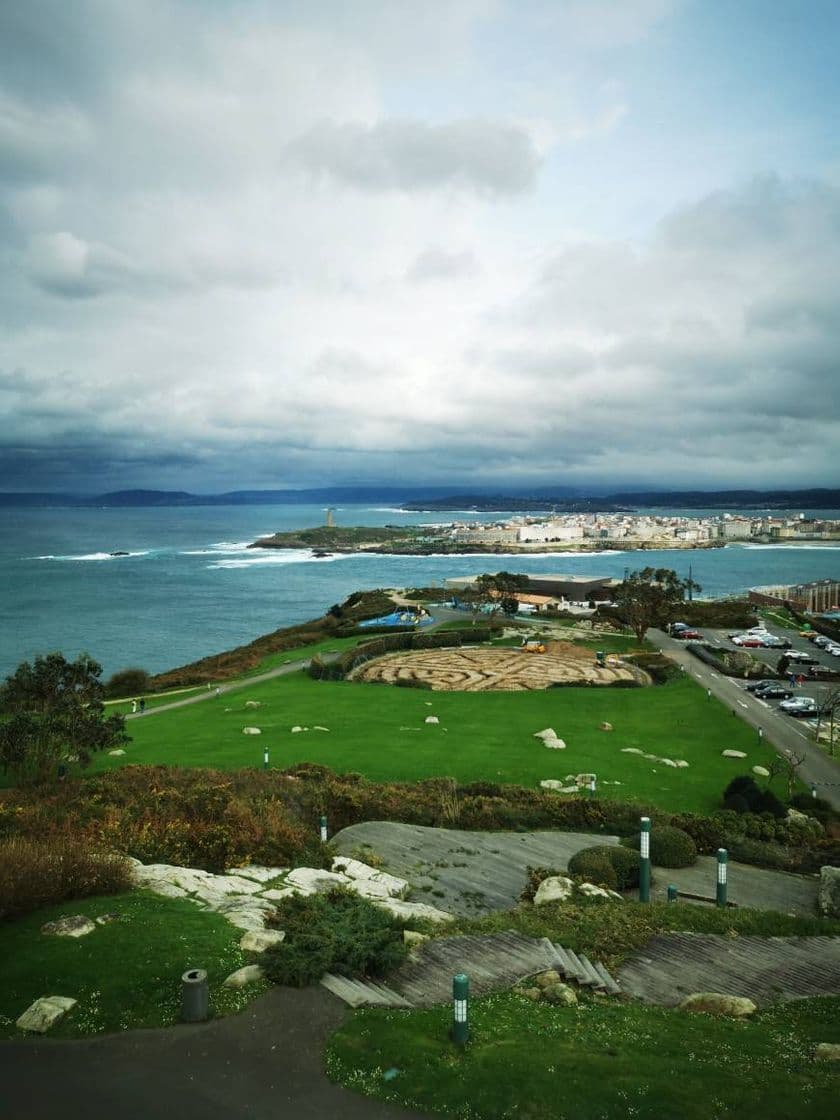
[[195, 996]]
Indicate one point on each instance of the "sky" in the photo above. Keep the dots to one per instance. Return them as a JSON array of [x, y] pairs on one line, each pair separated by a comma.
[[270, 243]]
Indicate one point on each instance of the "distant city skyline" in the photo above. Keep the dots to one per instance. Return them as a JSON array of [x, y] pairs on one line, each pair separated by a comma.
[[479, 243]]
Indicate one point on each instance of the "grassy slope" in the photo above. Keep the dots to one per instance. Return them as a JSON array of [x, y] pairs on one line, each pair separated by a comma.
[[125, 974], [380, 732], [596, 1061]]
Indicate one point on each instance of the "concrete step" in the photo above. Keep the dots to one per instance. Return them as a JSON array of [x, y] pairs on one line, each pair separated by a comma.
[[362, 993]]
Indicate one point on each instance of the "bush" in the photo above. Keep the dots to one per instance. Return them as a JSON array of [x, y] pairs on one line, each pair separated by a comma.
[[760, 853], [593, 866], [36, 873], [622, 863], [669, 846], [128, 682], [334, 932], [817, 807]]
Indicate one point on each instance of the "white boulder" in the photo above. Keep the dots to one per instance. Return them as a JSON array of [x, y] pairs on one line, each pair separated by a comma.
[[734, 754], [257, 941], [412, 910], [257, 873], [557, 888], [361, 872], [761, 771], [313, 879], [45, 1013], [251, 731], [75, 925], [432, 719], [250, 974]]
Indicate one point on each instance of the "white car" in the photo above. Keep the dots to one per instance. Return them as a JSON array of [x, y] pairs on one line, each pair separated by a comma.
[[799, 706]]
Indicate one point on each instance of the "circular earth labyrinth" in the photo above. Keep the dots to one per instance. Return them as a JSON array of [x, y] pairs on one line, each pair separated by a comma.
[[485, 670]]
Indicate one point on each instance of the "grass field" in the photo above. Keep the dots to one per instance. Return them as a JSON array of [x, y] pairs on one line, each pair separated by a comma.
[[380, 731], [596, 1061], [125, 974]]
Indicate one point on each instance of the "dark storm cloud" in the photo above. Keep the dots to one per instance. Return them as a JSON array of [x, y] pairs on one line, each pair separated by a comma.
[[411, 155]]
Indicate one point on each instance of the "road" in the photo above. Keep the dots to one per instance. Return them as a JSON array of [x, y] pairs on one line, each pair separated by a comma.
[[781, 731]]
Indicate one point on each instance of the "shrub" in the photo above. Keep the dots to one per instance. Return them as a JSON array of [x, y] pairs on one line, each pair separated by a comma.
[[36, 873], [593, 866], [817, 807], [623, 864], [333, 932], [669, 846], [760, 853], [128, 682]]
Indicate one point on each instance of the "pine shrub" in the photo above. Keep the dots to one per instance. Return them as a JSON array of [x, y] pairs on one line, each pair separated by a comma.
[[611, 865], [333, 932]]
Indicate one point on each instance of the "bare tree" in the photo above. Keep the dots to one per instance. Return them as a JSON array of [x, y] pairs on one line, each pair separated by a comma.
[[787, 765], [828, 707]]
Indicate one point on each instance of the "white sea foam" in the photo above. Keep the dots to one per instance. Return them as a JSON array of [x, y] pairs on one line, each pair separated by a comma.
[[96, 556], [279, 556], [793, 546]]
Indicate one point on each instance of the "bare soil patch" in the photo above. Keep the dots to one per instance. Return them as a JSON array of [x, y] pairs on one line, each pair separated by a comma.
[[502, 670]]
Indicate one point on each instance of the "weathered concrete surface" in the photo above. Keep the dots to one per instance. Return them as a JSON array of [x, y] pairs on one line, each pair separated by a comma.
[[764, 969], [472, 873], [751, 886], [466, 873]]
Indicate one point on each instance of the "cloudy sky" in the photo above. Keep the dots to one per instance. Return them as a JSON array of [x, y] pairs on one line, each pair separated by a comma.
[[267, 243]]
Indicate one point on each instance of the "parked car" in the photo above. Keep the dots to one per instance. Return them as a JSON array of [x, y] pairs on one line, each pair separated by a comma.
[[689, 635], [757, 686], [772, 642], [774, 692], [799, 706], [677, 626], [750, 641], [801, 658], [821, 640]]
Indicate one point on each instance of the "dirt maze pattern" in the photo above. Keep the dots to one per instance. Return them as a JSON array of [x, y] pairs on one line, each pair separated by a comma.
[[487, 670]]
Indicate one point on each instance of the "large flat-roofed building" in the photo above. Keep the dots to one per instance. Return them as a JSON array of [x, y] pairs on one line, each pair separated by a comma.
[[558, 588], [821, 595]]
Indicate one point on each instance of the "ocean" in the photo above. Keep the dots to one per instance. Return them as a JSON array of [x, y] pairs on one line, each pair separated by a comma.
[[189, 586]]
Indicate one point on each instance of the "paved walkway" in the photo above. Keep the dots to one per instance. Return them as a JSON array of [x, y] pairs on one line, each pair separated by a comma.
[[265, 1064]]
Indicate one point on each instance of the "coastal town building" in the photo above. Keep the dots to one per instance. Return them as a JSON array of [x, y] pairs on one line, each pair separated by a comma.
[[817, 597], [641, 530]]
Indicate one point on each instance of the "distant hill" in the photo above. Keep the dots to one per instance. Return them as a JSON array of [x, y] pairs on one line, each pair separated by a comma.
[[415, 498]]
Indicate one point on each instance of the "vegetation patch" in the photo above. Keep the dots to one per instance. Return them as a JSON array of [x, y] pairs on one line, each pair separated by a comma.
[[36, 871], [669, 846], [127, 973], [337, 931], [607, 865], [593, 1061]]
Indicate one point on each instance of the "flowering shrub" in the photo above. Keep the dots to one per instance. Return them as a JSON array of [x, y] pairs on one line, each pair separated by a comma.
[[36, 873]]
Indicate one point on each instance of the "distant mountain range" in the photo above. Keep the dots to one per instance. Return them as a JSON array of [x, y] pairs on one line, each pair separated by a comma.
[[442, 498]]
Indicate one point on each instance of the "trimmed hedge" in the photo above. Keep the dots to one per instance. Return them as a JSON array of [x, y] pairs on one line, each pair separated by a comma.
[[669, 846], [613, 866]]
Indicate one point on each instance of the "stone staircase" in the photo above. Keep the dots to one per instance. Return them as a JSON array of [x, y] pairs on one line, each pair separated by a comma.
[[493, 963]]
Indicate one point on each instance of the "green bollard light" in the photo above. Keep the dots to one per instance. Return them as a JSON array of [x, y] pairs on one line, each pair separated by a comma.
[[265, 759], [672, 893], [722, 858], [460, 999], [592, 780], [323, 830], [644, 866]]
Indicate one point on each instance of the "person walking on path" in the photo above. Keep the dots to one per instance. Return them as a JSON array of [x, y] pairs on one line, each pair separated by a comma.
[[133, 707], [142, 704]]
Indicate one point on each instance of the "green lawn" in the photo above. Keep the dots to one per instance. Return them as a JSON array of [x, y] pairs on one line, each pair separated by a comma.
[[380, 731], [596, 1061], [125, 974]]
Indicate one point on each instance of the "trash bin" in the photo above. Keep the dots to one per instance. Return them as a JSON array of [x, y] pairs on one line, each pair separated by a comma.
[[195, 996], [600, 656]]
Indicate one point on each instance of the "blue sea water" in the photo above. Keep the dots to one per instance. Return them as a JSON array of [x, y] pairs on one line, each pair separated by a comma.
[[189, 587]]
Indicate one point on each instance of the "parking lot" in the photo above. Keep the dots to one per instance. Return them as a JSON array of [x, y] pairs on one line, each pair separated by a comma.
[[816, 689]]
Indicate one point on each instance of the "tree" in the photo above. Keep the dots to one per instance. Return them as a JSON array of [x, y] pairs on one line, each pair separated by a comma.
[[52, 715], [787, 765], [493, 590], [127, 682], [828, 709], [651, 597]]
